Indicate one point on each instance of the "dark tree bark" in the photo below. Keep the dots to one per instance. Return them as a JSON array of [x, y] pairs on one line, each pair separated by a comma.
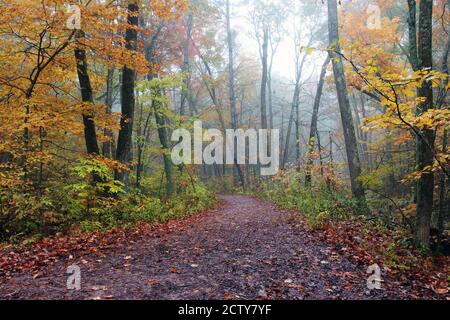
[[124, 143], [444, 182], [425, 142], [444, 206], [87, 96], [443, 93], [344, 103], [360, 134], [315, 116], [232, 90], [412, 35]]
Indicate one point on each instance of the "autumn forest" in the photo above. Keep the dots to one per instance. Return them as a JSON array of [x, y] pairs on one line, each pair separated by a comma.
[[224, 150]]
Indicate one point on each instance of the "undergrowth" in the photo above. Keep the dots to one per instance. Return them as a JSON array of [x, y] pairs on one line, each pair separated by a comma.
[[329, 210], [78, 205]]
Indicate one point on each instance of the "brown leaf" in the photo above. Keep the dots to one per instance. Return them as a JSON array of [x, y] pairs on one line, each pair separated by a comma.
[[440, 290]]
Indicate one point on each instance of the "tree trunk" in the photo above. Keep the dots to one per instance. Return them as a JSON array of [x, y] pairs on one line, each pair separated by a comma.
[[444, 206], [265, 50], [90, 135], [282, 137], [108, 145], [270, 99], [364, 135], [186, 92], [412, 35], [344, 104], [444, 182], [212, 91], [319, 146], [124, 143], [87, 96], [425, 142], [164, 140], [297, 135], [315, 116], [295, 102], [231, 88]]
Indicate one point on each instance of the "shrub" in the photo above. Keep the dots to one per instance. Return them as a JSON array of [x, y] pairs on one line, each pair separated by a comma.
[[79, 205], [319, 204]]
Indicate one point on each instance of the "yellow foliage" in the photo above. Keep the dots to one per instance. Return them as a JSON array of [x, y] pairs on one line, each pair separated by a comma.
[[40, 103]]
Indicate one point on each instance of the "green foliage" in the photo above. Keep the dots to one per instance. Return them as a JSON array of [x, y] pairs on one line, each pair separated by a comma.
[[319, 204], [85, 188], [185, 203], [331, 209], [80, 205]]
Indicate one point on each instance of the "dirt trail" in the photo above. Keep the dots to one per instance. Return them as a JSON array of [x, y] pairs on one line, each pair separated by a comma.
[[244, 249]]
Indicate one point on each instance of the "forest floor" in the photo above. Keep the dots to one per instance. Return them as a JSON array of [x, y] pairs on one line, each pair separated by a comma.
[[245, 248]]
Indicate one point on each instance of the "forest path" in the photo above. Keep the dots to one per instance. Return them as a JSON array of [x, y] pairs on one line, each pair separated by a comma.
[[244, 249]]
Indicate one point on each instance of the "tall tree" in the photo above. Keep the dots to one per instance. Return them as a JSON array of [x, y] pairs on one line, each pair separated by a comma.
[[314, 120], [186, 94], [124, 143], [426, 137], [233, 110], [412, 34], [294, 106], [444, 182], [87, 97], [351, 146], [108, 145], [158, 108], [273, 50], [163, 135], [264, 62]]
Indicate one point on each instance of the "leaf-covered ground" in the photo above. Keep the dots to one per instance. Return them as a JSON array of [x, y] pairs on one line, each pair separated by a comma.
[[244, 249]]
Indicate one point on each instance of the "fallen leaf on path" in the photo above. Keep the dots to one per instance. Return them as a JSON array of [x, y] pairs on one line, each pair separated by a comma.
[[99, 288], [440, 290]]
